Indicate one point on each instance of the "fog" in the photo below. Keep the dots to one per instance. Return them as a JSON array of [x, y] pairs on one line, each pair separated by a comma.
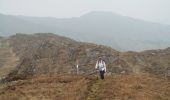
[[150, 10], [125, 25]]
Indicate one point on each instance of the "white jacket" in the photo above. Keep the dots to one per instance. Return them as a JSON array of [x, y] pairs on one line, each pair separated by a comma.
[[101, 66]]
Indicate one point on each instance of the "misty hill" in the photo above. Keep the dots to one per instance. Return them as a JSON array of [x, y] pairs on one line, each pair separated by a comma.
[[119, 32], [53, 54], [49, 54]]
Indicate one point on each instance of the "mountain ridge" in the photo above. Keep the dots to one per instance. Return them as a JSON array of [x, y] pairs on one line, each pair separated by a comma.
[[103, 28]]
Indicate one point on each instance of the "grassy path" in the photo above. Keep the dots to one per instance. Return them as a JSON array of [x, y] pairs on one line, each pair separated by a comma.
[[93, 89]]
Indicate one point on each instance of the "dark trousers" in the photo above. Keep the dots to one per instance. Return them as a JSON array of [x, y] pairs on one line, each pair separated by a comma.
[[102, 74]]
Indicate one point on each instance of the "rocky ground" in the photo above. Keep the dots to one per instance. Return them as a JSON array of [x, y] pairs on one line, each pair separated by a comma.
[[49, 53]]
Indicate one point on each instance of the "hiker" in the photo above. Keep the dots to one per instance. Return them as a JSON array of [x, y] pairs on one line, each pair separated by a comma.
[[100, 64]]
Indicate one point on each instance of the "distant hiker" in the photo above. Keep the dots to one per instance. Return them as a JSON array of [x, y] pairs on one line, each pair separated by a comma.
[[100, 64], [77, 66]]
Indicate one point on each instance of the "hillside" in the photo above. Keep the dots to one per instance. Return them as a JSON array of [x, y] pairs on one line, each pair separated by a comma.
[[50, 54], [95, 27], [42, 66], [151, 61]]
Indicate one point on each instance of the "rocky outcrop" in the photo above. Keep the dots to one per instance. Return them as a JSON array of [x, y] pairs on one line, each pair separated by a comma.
[[47, 53], [151, 61], [52, 54]]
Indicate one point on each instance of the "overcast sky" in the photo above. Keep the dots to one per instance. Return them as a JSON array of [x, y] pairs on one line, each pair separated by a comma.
[[151, 10]]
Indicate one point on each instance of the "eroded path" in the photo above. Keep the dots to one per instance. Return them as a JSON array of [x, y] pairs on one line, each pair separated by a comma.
[[94, 87]]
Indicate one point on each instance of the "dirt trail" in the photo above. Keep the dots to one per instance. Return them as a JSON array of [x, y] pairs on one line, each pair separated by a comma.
[[93, 89]]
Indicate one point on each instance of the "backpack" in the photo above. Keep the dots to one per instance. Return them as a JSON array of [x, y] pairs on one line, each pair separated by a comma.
[[102, 61]]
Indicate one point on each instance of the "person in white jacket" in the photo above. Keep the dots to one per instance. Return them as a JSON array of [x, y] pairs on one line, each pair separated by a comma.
[[100, 64]]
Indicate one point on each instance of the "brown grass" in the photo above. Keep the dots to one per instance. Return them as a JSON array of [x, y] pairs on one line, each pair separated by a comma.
[[47, 88], [133, 87], [72, 87]]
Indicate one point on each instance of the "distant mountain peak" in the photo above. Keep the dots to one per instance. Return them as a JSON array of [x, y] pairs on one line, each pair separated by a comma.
[[100, 13]]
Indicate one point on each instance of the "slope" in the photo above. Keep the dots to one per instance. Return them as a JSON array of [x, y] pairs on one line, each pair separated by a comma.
[[47, 53], [52, 54]]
